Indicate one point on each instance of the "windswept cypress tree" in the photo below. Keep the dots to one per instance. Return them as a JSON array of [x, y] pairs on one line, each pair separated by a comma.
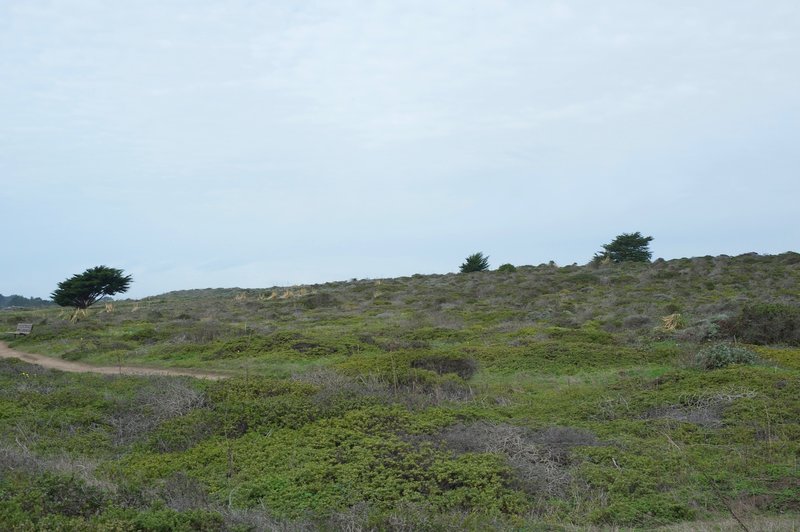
[[476, 262], [627, 247], [82, 290]]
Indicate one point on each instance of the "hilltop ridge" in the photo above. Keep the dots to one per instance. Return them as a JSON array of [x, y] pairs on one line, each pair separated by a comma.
[[627, 301]]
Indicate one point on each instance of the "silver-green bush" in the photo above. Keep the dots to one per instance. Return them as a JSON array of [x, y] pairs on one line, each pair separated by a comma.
[[722, 355]]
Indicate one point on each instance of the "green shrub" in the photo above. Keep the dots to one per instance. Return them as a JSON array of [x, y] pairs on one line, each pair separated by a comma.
[[284, 344], [765, 323], [167, 520], [64, 495], [185, 432], [507, 268], [257, 403], [722, 355], [256, 387], [584, 278], [416, 378], [588, 333], [319, 300], [144, 333]]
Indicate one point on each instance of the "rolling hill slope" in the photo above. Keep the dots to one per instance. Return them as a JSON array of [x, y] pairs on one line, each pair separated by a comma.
[[640, 395]]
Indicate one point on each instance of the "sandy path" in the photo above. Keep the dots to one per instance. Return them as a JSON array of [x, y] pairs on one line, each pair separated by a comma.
[[77, 367]]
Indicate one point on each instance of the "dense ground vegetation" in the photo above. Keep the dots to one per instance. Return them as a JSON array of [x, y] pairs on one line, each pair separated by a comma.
[[630, 394]]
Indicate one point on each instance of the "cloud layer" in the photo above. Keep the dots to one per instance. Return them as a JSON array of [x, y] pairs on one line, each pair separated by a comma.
[[247, 143]]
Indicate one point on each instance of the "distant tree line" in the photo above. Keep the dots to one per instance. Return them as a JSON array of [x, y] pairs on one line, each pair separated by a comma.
[[25, 302]]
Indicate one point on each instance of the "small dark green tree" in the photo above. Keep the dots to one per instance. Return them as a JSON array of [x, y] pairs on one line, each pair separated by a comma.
[[627, 247], [476, 262], [82, 290]]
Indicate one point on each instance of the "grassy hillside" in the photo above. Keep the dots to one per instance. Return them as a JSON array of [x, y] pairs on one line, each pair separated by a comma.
[[572, 396]]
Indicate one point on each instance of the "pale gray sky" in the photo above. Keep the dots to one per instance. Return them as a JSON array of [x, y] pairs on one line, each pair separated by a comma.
[[236, 143]]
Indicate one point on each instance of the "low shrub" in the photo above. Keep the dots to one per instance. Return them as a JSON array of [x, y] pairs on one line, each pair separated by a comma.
[[636, 321], [64, 495], [319, 300], [765, 323], [464, 367], [254, 403], [285, 344], [702, 330], [169, 519], [587, 333], [185, 432], [722, 355], [159, 400], [507, 268], [203, 332], [144, 332], [539, 460]]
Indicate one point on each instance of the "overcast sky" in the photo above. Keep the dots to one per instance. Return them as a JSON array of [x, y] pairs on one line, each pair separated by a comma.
[[239, 143]]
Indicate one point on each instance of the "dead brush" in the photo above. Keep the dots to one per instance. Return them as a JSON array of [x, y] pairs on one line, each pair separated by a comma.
[[612, 408], [703, 409], [259, 518], [165, 399], [182, 492], [722, 396], [673, 322], [289, 293], [539, 462], [22, 458]]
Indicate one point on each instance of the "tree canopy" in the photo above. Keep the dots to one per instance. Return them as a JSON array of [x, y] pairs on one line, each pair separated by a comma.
[[82, 290], [476, 262], [627, 247]]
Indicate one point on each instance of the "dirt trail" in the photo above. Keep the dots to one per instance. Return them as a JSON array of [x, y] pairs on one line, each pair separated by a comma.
[[77, 367]]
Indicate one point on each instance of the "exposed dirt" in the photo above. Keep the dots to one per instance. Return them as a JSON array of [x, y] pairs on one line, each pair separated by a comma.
[[77, 367]]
